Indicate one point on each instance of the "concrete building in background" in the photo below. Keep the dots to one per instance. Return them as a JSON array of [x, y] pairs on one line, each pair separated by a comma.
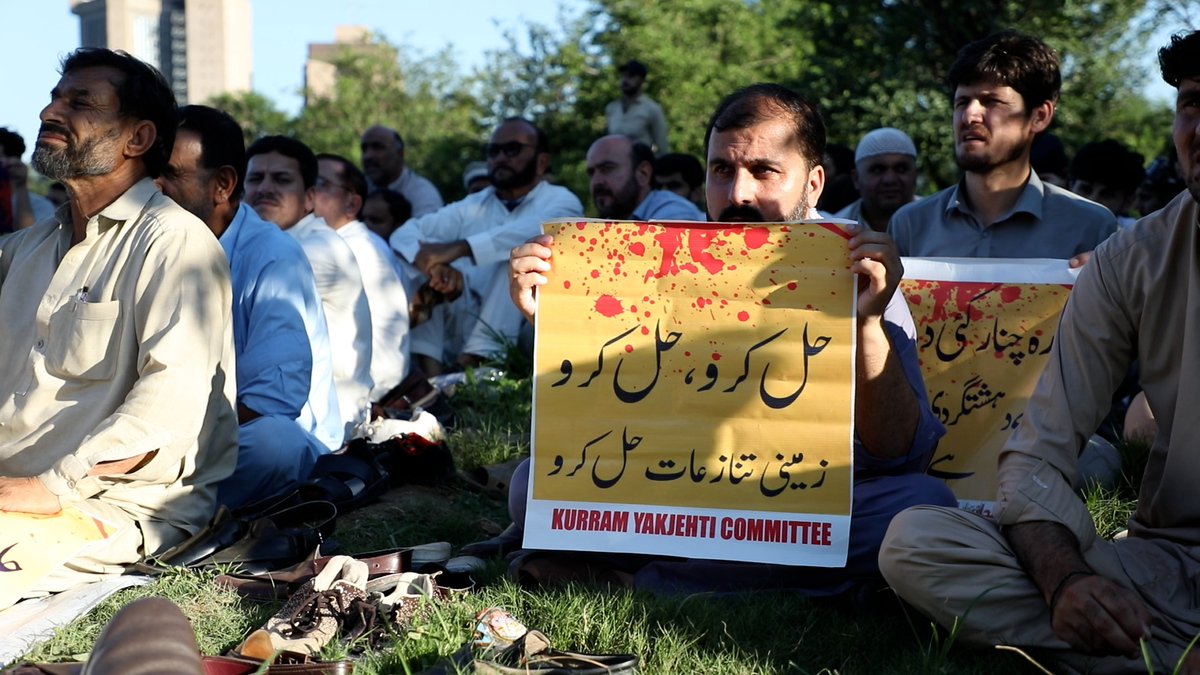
[[320, 73], [202, 46]]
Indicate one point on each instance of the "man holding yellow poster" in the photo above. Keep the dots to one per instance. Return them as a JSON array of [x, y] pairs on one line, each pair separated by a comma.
[[764, 149], [984, 331]]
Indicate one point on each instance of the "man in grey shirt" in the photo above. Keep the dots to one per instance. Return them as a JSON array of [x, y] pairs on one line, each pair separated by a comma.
[[621, 172], [1005, 92]]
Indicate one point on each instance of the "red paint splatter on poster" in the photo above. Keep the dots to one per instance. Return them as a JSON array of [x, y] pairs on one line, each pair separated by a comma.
[[698, 241], [757, 237], [836, 230], [609, 306]]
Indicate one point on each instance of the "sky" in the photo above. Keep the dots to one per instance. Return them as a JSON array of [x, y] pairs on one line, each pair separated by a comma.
[[36, 33]]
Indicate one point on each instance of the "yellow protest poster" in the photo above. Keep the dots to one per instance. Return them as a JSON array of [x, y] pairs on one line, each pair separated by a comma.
[[32, 546], [693, 391], [984, 330]]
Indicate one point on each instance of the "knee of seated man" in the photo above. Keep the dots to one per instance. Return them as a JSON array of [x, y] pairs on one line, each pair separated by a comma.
[[924, 490], [896, 493], [902, 537], [275, 448]]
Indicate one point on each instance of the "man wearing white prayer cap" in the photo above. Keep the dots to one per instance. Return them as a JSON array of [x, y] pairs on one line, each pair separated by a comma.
[[885, 175]]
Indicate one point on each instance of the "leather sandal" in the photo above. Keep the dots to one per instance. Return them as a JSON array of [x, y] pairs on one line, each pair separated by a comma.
[[348, 480], [272, 542], [281, 584]]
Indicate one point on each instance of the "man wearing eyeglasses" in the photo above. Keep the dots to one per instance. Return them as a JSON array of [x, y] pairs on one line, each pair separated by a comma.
[[341, 192], [463, 249]]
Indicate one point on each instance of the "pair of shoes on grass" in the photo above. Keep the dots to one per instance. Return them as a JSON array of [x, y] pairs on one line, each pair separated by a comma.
[[342, 600]]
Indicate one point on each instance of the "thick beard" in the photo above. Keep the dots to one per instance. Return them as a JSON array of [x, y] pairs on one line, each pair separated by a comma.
[[94, 157], [801, 210], [518, 178], [622, 202], [984, 164]]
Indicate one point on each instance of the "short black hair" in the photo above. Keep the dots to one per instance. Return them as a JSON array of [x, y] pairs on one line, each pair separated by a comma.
[[1012, 59], [687, 166], [1111, 164], [1180, 60], [11, 143], [144, 95], [633, 67], [1048, 155], [355, 180], [640, 152], [543, 143], [763, 101], [398, 205], [288, 147], [221, 141], [842, 157]]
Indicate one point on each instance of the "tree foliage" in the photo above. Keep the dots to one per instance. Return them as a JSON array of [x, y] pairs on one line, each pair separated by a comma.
[[883, 63], [426, 99], [256, 113], [869, 63]]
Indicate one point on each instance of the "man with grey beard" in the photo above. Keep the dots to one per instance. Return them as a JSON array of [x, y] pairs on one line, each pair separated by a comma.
[[116, 381]]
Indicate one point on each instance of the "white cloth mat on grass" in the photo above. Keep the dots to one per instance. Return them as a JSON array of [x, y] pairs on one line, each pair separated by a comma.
[[32, 621]]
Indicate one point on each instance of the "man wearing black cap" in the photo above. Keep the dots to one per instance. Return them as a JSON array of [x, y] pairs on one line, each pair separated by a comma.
[[634, 114]]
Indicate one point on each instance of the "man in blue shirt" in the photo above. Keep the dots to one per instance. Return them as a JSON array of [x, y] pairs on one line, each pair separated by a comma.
[[621, 171], [286, 402], [765, 144]]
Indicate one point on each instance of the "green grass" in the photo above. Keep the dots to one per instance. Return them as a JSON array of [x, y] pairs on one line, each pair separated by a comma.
[[755, 633], [772, 632]]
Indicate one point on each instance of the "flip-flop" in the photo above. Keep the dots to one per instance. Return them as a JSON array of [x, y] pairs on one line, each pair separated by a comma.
[[532, 653], [493, 479]]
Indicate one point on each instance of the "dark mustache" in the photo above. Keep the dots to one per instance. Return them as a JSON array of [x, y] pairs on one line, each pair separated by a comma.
[[55, 129], [741, 212]]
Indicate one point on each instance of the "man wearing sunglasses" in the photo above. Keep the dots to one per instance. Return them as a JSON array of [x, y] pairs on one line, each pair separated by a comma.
[[463, 249]]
